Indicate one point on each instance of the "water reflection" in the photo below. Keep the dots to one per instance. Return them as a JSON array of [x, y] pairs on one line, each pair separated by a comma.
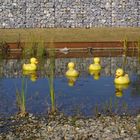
[[21, 98], [71, 80], [51, 77], [95, 74], [52, 88], [109, 64], [119, 89], [31, 74]]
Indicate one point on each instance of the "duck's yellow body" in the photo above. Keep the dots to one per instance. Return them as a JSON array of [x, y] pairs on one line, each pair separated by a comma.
[[32, 66], [121, 78], [96, 65], [71, 72]]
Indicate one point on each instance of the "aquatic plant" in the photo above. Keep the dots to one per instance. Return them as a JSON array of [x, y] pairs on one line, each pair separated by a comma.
[[34, 47], [138, 124], [73, 120], [124, 106], [20, 98], [113, 106], [108, 106], [124, 55], [1, 69], [41, 54], [51, 76], [138, 50], [134, 45], [96, 110], [4, 49]]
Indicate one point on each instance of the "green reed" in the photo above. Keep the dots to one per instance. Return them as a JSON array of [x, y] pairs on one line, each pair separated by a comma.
[[29, 46], [125, 49], [4, 49], [34, 47], [41, 54], [138, 50], [20, 98], [1, 62], [111, 105], [116, 104], [138, 124], [105, 107], [96, 110], [125, 46], [51, 76], [133, 49], [124, 106]]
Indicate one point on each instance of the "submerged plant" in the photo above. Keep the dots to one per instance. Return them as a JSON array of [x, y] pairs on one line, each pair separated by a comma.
[[20, 99]]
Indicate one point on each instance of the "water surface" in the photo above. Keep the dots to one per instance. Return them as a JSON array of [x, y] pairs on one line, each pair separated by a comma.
[[86, 96]]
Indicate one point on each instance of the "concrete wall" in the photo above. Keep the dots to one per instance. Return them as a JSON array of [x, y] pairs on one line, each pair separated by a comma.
[[69, 13]]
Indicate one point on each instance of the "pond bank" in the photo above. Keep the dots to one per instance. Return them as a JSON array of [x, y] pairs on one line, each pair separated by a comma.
[[96, 34], [60, 127]]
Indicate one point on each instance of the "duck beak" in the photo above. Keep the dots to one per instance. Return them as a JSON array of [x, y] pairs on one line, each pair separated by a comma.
[[36, 62]]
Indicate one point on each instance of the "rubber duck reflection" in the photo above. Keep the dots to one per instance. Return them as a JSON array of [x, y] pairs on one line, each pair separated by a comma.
[[71, 80], [71, 74], [31, 74], [119, 89], [95, 74]]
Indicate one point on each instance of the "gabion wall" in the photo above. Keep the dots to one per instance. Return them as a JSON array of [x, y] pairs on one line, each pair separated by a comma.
[[69, 13]]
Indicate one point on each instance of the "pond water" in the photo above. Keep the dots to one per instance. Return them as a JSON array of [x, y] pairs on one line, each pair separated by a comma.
[[88, 94]]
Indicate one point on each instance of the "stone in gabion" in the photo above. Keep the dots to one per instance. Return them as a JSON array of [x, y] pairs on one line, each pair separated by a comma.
[[70, 13]]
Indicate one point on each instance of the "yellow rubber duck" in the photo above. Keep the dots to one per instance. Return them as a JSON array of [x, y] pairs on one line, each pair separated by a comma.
[[96, 64], [120, 88], [121, 78], [95, 73], [32, 66], [71, 72], [31, 74]]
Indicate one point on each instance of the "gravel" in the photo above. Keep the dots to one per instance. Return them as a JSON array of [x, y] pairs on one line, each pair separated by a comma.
[[60, 127]]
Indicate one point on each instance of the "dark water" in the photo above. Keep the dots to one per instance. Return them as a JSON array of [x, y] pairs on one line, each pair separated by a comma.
[[86, 96]]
